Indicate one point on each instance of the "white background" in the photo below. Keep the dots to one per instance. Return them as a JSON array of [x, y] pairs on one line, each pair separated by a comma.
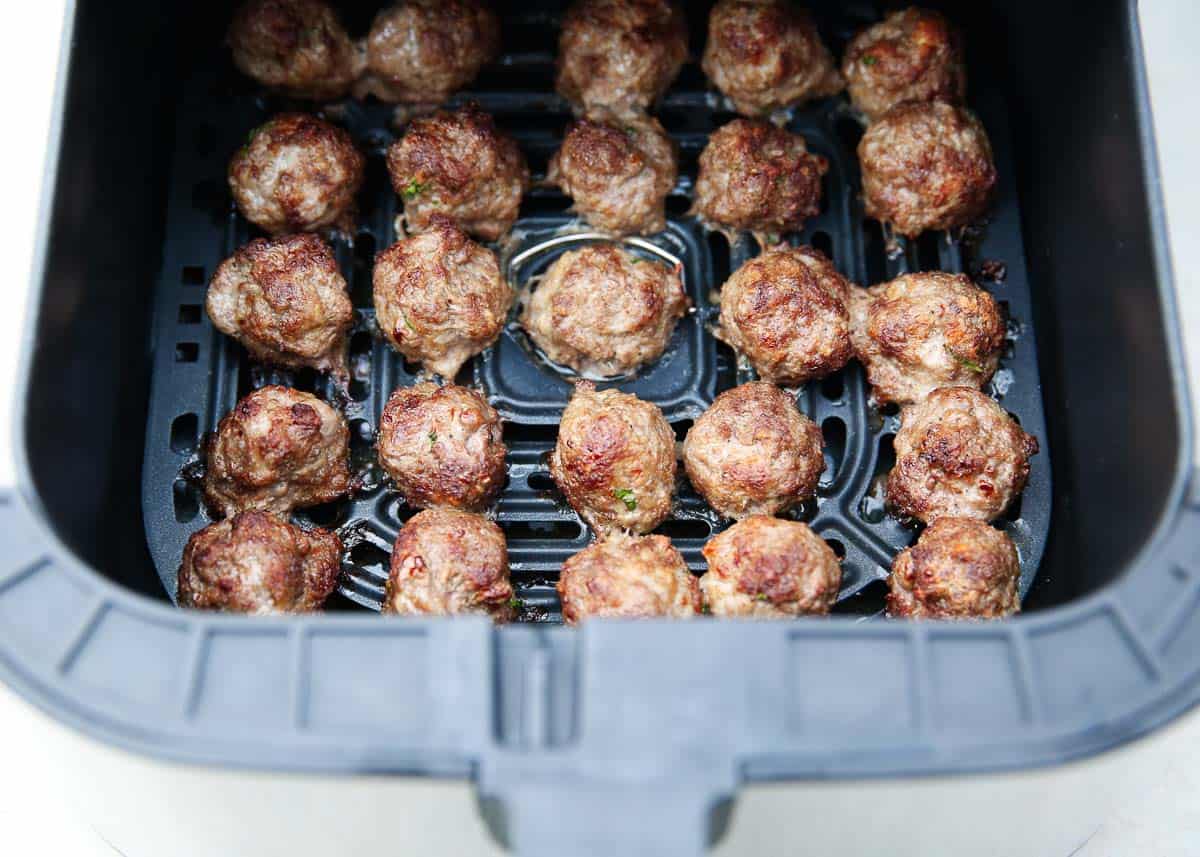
[[34, 819]]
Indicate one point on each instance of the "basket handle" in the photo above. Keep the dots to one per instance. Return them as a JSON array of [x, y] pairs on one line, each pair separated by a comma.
[[593, 759], [551, 819]]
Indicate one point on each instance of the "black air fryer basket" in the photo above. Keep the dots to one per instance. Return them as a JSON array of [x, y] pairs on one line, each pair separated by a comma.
[[637, 734]]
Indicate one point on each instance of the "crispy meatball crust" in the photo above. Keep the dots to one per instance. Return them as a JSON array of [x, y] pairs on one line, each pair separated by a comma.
[[924, 331], [297, 173], [615, 460], [277, 450], [257, 563], [757, 177], [926, 165], [766, 56], [285, 301], [297, 47], [958, 569], [439, 298], [458, 164], [958, 454], [443, 446], [753, 453], [618, 171], [767, 568], [421, 51], [911, 55], [786, 311], [446, 562], [621, 54], [603, 311], [627, 577]]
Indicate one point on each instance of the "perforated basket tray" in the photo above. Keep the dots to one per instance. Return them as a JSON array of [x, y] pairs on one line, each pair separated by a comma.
[[200, 374]]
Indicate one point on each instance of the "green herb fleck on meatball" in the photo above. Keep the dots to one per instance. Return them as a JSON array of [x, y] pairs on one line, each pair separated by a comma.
[[965, 361]]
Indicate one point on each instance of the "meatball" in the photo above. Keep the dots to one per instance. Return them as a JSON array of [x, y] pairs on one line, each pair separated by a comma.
[[621, 54], [297, 173], [615, 460], [445, 562], [285, 301], [630, 577], [298, 47], [443, 446], [757, 177], [766, 55], [926, 165], [257, 563], [618, 171], [277, 450], [786, 312], [439, 298], [753, 453], [912, 55], [960, 568], [766, 568], [421, 51], [924, 331], [460, 165], [603, 311], [958, 454]]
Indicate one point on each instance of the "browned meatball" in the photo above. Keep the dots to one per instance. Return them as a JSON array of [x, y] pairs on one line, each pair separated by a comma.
[[443, 446], [257, 563], [278, 450], [298, 47], [621, 54], [766, 568], [959, 569], [615, 460], [786, 312], [924, 331], [285, 301], [753, 453], [618, 171], [926, 165], [460, 165], [628, 577], [603, 311], [912, 55], [439, 297], [297, 173], [760, 178], [446, 562], [421, 51], [766, 55], [958, 454]]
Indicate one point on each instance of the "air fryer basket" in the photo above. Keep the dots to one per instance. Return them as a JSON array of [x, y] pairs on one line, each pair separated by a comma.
[[637, 734]]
